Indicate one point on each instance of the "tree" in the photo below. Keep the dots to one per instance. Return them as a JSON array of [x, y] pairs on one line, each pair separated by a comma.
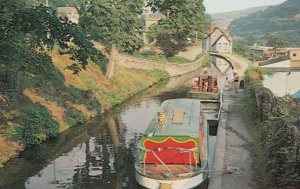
[[170, 44], [27, 32], [276, 41], [114, 22], [184, 19]]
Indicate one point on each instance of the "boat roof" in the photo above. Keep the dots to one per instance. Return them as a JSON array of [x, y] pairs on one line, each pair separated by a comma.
[[182, 119]]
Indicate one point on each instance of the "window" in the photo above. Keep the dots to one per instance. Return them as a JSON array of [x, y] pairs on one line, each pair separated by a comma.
[[225, 45], [294, 54], [219, 45]]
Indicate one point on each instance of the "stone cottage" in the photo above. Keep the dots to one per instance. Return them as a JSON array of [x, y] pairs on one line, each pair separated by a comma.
[[217, 40]]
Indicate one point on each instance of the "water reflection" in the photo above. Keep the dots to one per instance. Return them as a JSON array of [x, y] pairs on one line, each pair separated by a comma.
[[99, 154]]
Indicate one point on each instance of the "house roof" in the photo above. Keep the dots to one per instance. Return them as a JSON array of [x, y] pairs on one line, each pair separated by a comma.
[[217, 28], [274, 61], [220, 38]]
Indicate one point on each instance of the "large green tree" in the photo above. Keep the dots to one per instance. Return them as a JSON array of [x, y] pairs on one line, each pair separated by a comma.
[[114, 22], [27, 32], [184, 20]]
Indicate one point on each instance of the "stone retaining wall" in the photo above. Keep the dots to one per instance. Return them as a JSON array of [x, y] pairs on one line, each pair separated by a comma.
[[172, 68]]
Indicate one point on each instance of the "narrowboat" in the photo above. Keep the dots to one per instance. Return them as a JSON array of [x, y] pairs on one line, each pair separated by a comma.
[[173, 151]]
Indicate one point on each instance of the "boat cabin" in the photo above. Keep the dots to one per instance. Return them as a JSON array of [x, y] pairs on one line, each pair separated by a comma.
[[205, 83]]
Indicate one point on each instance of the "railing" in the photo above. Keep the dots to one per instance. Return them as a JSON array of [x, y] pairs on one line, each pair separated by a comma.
[[142, 167]]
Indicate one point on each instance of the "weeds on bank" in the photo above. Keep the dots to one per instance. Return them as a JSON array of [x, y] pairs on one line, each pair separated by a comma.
[[274, 121]]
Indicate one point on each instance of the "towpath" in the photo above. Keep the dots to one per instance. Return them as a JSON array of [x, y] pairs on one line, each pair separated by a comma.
[[234, 148]]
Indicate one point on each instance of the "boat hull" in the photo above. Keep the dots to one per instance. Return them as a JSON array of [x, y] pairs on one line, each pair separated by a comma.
[[197, 181]]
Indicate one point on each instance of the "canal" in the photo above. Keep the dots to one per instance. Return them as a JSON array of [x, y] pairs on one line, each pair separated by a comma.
[[99, 154]]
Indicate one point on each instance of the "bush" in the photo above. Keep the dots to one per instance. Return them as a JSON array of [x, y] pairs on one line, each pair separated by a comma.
[[158, 74], [37, 125], [74, 117], [276, 128], [2, 161]]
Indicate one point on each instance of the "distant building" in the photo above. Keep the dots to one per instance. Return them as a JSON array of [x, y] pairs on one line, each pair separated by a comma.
[[294, 54], [68, 12], [149, 18], [286, 77], [217, 39]]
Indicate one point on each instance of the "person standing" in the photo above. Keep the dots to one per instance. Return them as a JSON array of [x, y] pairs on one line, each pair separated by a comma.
[[236, 78], [205, 81], [227, 84]]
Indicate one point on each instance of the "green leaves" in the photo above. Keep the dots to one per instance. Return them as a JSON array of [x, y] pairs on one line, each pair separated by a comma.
[[114, 22], [276, 130], [184, 19], [170, 44], [26, 31], [38, 125]]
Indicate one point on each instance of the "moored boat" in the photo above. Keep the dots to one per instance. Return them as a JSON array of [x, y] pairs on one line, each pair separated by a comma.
[[205, 87], [173, 151]]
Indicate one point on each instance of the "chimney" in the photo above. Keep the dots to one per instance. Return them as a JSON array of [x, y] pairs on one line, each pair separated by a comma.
[[213, 25]]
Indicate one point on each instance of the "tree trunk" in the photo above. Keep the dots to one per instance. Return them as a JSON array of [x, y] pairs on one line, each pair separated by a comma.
[[112, 61]]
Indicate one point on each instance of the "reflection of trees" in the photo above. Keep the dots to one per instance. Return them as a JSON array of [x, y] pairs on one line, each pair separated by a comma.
[[106, 159]]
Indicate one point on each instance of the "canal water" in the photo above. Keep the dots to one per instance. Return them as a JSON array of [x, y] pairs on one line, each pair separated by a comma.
[[99, 154]]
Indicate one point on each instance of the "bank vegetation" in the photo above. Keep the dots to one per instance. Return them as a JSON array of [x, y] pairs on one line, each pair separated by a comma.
[[276, 124]]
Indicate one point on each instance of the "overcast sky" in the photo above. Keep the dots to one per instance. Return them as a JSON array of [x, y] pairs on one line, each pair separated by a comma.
[[217, 6]]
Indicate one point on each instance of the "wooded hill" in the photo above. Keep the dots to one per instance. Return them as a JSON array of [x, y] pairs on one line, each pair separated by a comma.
[[224, 19], [283, 19]]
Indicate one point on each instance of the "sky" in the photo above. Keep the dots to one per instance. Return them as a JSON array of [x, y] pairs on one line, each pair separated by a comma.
[[217, 6]]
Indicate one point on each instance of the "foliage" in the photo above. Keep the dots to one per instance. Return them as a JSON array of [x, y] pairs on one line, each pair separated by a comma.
[[26, 32], [74, 117], [280, 20], [256, 74], [158, 74], [276, 129], [276, 41], [170, 44], [184, 19], [38, 125], [2, 161], [114, 22], [241, 47]]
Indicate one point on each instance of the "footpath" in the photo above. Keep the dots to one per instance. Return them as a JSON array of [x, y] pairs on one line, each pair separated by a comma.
[[234, 148]]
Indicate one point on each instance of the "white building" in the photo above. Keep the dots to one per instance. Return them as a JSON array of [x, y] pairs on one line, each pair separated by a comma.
[[286, 77], [217, 40]]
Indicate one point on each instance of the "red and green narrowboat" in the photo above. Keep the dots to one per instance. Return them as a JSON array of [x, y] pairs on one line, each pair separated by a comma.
[[173, 151]]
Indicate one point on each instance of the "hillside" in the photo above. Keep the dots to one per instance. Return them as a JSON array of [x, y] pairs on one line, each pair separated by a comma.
[[283, 19], [224, 19]]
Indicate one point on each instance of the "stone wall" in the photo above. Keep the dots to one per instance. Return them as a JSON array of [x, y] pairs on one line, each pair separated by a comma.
[[172, 68]]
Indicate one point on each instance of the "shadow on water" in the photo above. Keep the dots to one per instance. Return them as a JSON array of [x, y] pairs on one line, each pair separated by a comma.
[[99, 154]]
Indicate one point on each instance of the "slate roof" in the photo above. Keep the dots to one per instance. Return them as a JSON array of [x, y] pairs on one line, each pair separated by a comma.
[[217, 28]]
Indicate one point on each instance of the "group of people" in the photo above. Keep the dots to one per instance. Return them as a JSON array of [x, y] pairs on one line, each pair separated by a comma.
[[236, 83]]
